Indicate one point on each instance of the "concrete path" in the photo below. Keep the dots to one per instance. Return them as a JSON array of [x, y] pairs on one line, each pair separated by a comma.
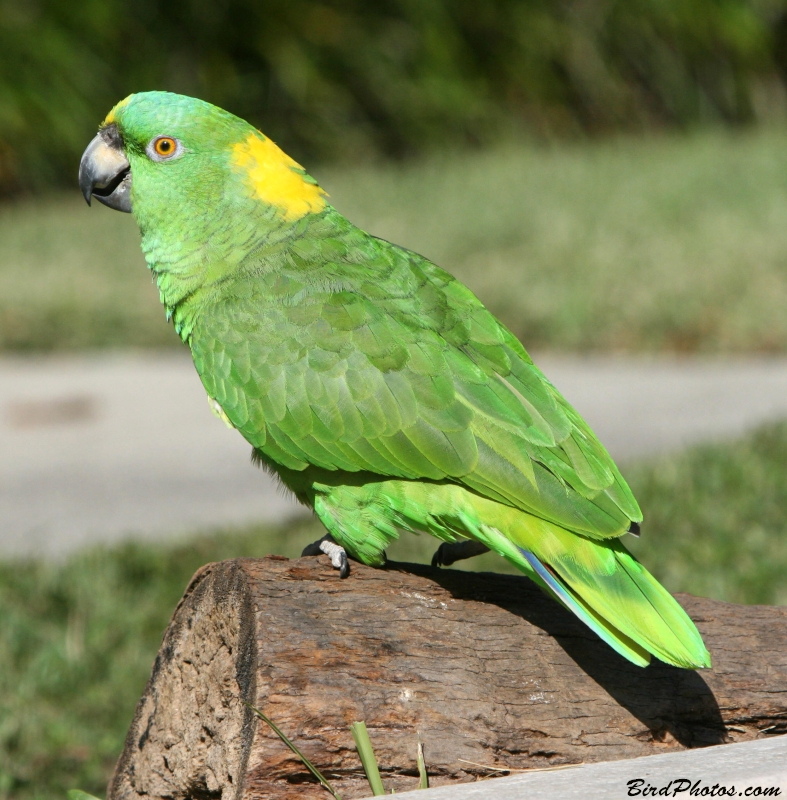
[[748, 769], [97, 448]]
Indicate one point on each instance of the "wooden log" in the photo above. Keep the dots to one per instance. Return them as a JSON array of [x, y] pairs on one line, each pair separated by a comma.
[[484, 668]]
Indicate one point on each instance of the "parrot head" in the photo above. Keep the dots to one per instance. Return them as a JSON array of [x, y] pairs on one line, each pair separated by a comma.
[[172, 159]]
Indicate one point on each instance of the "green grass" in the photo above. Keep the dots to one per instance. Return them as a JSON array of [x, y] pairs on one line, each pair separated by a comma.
[[671, 243], [716, 518], [74, 277], [77, 639]]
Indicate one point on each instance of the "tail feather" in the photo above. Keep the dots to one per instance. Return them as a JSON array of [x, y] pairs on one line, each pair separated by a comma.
[[631, 599], [615, 639], [600, 582], [674, 617]]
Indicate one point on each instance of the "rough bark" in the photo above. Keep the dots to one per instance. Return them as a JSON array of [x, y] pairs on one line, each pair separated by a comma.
[[484, 668]]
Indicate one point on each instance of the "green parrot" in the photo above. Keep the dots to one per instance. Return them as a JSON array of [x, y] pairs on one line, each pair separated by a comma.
[[375, 385]]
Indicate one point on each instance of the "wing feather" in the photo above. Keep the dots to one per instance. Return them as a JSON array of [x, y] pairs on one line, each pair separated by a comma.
[[406, 375]]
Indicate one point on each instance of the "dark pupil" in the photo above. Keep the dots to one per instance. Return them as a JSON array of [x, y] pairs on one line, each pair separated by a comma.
[[164, 146]]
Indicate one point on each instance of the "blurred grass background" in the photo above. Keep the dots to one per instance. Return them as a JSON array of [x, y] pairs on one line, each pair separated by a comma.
[[650, 244], [607, 176]]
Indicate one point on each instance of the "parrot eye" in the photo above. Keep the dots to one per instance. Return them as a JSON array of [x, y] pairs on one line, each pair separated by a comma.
[[163, 148]]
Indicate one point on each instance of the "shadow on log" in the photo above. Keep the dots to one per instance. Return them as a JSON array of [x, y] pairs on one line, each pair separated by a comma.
[[488, 671]]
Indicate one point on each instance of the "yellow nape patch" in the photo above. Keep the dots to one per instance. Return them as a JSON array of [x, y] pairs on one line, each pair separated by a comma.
[[110, 118], [276, 179]]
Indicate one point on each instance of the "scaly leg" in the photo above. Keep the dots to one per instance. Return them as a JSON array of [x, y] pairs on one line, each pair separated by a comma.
[[334, 551]]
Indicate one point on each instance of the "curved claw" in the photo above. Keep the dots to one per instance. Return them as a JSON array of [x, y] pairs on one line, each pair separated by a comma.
[[344, 568]]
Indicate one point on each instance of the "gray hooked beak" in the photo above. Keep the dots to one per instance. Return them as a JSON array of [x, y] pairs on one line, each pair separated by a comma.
[[104, 171]]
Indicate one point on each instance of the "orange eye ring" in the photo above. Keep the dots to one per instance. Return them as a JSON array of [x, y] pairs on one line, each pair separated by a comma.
[[165, 146]]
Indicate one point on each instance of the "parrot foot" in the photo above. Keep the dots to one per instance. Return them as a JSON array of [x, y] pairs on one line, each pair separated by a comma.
[[450, 552], [335, 552]]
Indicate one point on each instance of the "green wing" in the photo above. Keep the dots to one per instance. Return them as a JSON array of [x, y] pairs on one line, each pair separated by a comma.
[[345, 352]]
